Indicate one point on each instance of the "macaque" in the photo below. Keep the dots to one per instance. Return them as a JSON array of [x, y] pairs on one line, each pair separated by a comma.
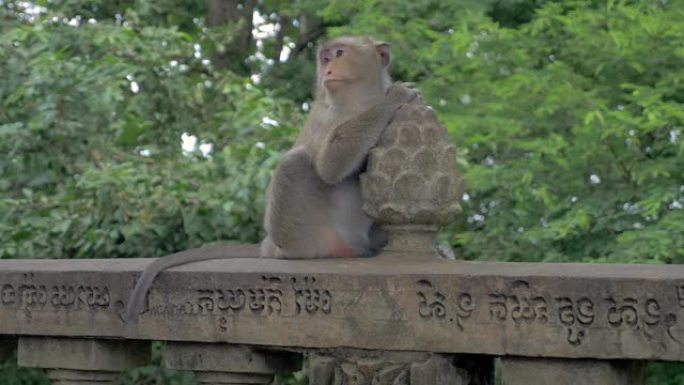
[[313, 203]]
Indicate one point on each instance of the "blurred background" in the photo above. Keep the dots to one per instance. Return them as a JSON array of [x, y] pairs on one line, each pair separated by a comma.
[[139, 128]]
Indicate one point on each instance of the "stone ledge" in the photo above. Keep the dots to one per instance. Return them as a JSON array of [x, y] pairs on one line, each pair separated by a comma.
[[385, 303], [82, 353]]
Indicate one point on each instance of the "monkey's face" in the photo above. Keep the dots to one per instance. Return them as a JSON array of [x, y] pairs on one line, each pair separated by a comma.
[[335, 67], [341, 65]]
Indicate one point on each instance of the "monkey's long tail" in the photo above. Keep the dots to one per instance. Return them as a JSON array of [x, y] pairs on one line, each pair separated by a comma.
[[137, 298]]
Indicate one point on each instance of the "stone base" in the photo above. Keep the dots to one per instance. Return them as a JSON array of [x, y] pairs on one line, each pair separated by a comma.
[[413, 240], [223, 364], [389, 302], [223, 378], [81, 361], [530, 371], [388, 368], [82, 354], [81, 377]]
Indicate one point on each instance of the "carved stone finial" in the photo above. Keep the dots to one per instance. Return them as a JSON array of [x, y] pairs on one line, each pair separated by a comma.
[[411, 186]]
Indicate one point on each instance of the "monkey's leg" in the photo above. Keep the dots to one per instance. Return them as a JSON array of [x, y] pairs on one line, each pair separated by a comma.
[[268, 249], [350, 222], [298, 212]]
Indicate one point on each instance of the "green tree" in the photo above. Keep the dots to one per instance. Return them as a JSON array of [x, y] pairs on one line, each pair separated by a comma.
[[568, 117], [91, 124]]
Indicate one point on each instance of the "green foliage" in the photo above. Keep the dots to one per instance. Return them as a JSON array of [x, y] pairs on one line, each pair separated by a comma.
[[568, 116], [665, 374], [571, 126], [90, 157], [11, 374]]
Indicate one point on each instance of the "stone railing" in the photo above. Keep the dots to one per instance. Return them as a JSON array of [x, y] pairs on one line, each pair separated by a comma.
[[389, 320]]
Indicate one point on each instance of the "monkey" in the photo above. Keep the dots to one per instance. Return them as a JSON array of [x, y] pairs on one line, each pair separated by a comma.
[[313, 201], [329, 153]]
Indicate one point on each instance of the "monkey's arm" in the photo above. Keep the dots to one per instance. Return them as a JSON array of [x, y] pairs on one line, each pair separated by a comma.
[[345, 146], [136, 300]]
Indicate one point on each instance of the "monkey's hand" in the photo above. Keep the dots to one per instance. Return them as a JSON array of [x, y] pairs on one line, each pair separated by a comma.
[[345, 146], [401, 93]]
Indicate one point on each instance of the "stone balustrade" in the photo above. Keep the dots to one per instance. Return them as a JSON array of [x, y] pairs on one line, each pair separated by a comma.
[[395, 319]]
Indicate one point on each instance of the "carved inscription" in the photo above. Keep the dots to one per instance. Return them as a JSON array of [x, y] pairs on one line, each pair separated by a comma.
[[465, 306], [271, 296], [520, 305], [221, 300], [7, 295], [645, 316], [576, 315], [265, 299], [29, 296], [624, 313], [223, 324], [431, 301], [91, 297], [309, 298], [433, 304], [579, 318]]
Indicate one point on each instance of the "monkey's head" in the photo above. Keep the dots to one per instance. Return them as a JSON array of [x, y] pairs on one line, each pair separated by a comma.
[[348, 61]]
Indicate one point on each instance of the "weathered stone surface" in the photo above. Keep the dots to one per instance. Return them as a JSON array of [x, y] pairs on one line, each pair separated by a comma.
[[384, 368], [529, 371], [321, 369], [80, 361], [79, 377], [229, 364], [82, 353], [437, 370], [550, 310], [228, 358], [223, 378]]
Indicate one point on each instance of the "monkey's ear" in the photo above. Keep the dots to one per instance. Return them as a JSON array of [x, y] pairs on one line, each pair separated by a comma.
[[384, 52]]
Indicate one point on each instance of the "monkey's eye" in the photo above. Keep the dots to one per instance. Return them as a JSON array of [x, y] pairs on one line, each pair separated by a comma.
[[325, 57], [339, 52]]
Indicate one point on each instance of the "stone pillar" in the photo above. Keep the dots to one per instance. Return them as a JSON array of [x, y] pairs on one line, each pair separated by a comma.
[[544, 371], [222, 364], [391, 368], [411, 186], [81, 361]]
